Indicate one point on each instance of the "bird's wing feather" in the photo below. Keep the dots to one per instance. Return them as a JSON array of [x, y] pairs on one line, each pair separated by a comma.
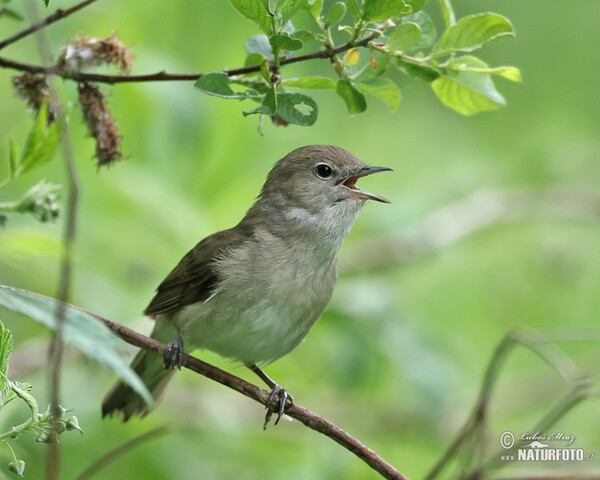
[[194, 279]]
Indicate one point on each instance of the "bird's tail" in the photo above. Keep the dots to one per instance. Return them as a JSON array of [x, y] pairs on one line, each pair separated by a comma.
[[149, 367]]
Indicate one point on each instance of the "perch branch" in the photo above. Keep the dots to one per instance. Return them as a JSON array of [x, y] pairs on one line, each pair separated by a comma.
[[58, 15]]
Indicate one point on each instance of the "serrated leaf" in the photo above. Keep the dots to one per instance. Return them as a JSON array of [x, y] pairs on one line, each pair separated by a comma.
[[255, 10], [268, 105], [297, 108], [351, 57], [6, 346], [473, 32], [313, 8], [309, 82], [376, 10], [467, 92], [335, 13], [259, 44], [79, 328], [355, 101], [285, 42], [404, 36], [382, 88], [41, 143], [217, 84], [428, 30]]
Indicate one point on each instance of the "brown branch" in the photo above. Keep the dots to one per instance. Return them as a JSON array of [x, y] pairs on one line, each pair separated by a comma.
[[308, 418], [164, 76], [58, 15]]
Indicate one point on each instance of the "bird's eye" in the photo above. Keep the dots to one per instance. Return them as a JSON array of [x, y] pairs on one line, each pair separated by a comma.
[[323, 170]]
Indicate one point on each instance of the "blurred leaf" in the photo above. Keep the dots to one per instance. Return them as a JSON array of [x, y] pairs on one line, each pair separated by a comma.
[[376, 10], [12, 159], [510, 73], [428, 30], [253, 59], [285, 42], [255, 10], [351, 57], [79, 328], [466, 92], [309, 82], [335, 13], [418, 70], [473, 32], [41, 142], [355, 101], [217, 84], [447, 12], [415, 4], [303, 35], [268, 106], [6, 346], [290, 7], [313, 7], [382, 88], [354, 6], [404, 36], [259, 44], [10, 13], [297, 108], [46, 2], [364, 69]]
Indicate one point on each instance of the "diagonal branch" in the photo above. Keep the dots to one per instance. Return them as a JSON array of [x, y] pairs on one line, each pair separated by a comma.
[[308, 418], [164, 76], [58, 15]]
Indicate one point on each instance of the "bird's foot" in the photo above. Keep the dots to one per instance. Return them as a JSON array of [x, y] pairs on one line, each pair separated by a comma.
[[283, 397], [173, 356]]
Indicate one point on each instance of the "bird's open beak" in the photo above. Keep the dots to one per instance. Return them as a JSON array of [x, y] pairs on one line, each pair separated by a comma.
[[350, 183]]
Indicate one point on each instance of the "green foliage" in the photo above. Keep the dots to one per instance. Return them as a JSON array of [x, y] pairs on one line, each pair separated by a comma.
[[79, 328], [9, 12], [397, 32]]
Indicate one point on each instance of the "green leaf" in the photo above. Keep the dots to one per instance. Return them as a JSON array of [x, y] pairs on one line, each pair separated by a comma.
[[46, 2], [303, 35], [382, 88], [428, 30], [255, 10], [254, 59], [12, 159], [404, 36], [217, 84], [355, 101], [41, 142], [335, 13], [418, 70], [290, 7], [259, 44], [6, 346], [473, 32], [268, 106], [95, 340], [9, 12], [415, 4], [309, 82], [467, 92], [510, 73], [285, 42], [313, 8], [297, 108], [375, 10]]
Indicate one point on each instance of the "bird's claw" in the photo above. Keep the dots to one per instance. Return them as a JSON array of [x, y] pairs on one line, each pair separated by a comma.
[[173, 356], [284, 396]]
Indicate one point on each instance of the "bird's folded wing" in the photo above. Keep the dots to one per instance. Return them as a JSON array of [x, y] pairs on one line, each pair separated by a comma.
[[194, 279]]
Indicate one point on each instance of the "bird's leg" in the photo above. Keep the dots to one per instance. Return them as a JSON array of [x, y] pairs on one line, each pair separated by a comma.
[[173, 355], [276, 390]]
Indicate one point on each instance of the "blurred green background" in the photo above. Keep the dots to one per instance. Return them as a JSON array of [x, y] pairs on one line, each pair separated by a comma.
[[398, 358]]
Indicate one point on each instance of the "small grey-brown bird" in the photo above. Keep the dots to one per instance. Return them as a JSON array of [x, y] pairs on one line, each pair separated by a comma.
[[253, 292]]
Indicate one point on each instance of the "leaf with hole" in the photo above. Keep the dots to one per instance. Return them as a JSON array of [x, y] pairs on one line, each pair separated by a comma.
[[468, 92], [297, 108], [473, 32], [81, 329]]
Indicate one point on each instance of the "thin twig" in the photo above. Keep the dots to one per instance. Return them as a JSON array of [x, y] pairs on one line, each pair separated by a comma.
[[120, 451], [164, 76], [58, 15]]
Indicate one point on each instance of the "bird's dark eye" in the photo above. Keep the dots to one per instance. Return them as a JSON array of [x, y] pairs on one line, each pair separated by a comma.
[[323, 170]]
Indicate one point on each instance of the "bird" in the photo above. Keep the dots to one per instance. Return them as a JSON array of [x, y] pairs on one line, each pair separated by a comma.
[[252, 293]]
